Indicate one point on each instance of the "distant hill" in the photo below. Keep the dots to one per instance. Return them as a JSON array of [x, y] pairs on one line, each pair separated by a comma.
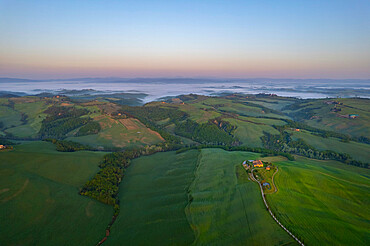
[[9, 80], [190, 80]]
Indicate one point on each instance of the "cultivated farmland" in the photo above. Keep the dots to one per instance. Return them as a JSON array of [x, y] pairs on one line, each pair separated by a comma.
[[323, 201], [228, 211], [193, 198], [153, 198], [39, 200], [119, 133]]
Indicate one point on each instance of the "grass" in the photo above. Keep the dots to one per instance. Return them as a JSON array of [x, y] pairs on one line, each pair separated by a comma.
[[153, 197], [34, 111], [324, 202], [197, 114], [266, 176], [227, 208], [357, 151], [39, 201], [9, 117], [116, 134], [245, 110], [223, 207], [272, 103], [332, 121], [250, 133]]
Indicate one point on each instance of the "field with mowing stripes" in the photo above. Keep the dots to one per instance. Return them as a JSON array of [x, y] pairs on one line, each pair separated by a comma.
[[39, 200], [153, 198], [323, 201], [358, 151], [226, 208], [222, 208]]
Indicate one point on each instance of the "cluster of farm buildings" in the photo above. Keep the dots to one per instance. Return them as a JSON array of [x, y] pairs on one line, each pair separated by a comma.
[[254, 163], [3, 146]]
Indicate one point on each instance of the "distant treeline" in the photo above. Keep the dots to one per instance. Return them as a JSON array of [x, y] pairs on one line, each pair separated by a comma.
[[68, 146], [92, 127], [265, 109], [284, 143], [148, 116], [264, 151], [105, 184], [205, 133], [61, 120], [322, 133], [6, 142]]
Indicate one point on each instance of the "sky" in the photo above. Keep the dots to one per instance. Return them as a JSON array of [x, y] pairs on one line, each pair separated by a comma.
[[202, 38]]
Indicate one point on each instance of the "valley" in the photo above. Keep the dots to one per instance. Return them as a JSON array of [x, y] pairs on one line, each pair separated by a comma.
[[170, 172]]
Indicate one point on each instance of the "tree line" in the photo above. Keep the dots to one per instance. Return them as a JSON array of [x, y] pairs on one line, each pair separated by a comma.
[[61, 120], [284, 143]]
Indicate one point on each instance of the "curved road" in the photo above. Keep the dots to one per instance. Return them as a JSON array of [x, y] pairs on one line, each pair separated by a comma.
[[273, 216]]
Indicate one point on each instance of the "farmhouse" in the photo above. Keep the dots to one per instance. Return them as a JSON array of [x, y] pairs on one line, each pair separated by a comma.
[[2, 146], [257, 163], [268, 168], [353, 116]]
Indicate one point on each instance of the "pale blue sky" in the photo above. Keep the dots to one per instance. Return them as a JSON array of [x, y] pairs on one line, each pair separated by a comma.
[[300, 39]]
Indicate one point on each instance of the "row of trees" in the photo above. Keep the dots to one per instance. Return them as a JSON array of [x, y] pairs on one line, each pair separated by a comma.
[[4, 141], [284, 143], [264, 151], [61, 120], [92, 127], [60, 127], [149, 115], [206, 133], [105, 184], [214, 132], [68, 146]]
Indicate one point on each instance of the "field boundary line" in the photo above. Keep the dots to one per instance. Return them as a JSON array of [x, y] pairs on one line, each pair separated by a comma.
[[367, 186]]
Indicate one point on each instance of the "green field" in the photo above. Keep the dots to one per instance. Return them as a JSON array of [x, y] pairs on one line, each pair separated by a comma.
[[39, 200], [35, 115], [272, 103], [324, 202], [357, 151], [116, 134], [9, 117], [153, 200], [250, 133], [226, 208], [329, 120]]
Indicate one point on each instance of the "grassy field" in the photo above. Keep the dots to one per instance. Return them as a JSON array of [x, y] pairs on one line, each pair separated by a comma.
[[153, 198], [35, 115], [357, 151], [227, 208], [272, 103], [266, 176], [250, 133], [197, 113], [9, 117], [39, 200], [329, 120], [119, 133], [324, 202]]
